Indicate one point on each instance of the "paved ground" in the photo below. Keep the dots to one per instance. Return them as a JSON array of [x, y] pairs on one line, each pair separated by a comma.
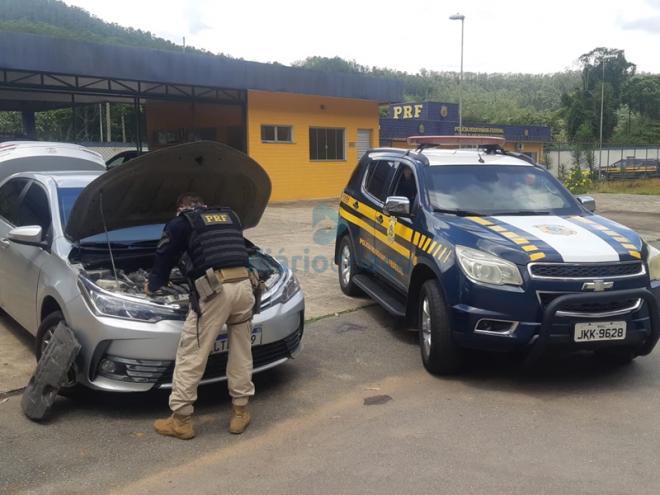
[[568, 426], [639, 212], [302, 235]]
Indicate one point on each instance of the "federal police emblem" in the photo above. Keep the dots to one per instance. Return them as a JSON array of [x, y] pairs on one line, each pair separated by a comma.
[[555, 229], [391, 229]]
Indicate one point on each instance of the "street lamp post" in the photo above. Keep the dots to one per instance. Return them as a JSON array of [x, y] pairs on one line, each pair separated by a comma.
[[460, 17], [602, 104]]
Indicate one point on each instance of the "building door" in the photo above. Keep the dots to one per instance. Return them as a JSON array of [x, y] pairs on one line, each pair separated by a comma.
[[363, 142]]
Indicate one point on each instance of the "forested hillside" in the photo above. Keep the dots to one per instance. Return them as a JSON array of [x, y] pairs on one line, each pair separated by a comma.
[[567, 101], [55, 18]]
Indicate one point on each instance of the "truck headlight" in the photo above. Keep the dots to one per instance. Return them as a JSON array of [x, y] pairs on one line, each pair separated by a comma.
[[653, 261], [105, 303], [486, 268]]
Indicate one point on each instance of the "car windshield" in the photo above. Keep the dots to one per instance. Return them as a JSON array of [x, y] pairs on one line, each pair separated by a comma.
[[144, 233], [497, 190]]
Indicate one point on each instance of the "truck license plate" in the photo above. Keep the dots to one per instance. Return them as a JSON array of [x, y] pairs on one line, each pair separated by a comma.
[[222, 342], [599, 330]]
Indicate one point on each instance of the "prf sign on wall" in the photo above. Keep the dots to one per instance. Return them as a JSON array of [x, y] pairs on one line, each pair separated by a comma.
[[408, 111], [429, 110]]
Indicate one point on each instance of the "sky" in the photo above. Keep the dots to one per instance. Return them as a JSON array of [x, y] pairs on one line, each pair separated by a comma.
[[500, 36]]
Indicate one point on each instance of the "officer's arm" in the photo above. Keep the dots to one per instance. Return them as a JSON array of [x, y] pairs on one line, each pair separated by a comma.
[[171, 246]]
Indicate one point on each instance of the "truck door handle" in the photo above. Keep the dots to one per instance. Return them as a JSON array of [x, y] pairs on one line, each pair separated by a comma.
[[356, 205], [4, 243], [380, 218]]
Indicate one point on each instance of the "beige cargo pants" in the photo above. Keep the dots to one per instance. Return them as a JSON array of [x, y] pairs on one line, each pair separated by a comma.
[[234, 307]]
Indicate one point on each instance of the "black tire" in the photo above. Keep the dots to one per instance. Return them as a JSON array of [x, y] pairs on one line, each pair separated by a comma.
[[440, 354], [347, 268], [47, 326], [616, 356]]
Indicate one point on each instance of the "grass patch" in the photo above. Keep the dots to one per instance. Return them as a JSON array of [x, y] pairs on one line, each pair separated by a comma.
[[339, 313], [633, 186]]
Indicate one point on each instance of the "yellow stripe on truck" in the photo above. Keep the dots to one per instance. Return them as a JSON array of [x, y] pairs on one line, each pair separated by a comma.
[[356, 220], [373, 231]]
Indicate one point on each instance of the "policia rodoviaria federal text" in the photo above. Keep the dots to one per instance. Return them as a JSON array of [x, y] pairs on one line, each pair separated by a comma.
[[210, 243]]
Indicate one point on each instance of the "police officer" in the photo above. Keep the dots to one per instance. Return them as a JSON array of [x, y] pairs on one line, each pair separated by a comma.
[[211, 243]]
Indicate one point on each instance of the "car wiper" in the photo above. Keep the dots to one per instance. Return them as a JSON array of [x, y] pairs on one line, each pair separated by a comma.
[[458, 212], [520, 212]]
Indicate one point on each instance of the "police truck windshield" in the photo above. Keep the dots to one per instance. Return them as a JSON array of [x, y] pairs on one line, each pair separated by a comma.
[[497, 190]]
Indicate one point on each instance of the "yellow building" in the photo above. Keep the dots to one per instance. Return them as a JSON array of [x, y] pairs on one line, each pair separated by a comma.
[[308, 144]]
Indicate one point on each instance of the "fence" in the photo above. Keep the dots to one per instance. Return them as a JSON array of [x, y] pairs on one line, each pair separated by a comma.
[[108, 150], [562, 155]]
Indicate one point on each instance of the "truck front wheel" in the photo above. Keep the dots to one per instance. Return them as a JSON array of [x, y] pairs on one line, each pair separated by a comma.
[[440, 354]]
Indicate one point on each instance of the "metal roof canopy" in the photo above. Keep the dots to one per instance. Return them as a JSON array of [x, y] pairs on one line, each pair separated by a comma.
[[38, 67]]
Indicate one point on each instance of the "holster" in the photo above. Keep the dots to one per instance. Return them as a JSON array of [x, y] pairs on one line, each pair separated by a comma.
[[208, 285], [258, 288]]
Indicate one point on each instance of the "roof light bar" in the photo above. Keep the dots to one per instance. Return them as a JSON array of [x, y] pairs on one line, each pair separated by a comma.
[[456, 141]]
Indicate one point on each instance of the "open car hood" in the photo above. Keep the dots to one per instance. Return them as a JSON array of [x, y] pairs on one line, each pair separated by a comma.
[[144, 190]]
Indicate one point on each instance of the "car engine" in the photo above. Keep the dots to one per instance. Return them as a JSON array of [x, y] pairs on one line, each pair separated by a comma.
[[132, 284]]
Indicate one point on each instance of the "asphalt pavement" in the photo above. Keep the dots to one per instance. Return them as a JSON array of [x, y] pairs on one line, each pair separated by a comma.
[[356, 413]]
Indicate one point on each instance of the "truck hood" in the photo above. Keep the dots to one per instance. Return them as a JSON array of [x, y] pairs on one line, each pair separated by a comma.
[[144, 191], [570, 239]]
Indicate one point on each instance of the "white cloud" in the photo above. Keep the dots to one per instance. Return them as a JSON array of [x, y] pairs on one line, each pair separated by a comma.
[[649, 24], [504, 36]]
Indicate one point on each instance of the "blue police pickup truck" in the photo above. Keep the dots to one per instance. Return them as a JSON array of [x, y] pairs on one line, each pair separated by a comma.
[[484, 249]]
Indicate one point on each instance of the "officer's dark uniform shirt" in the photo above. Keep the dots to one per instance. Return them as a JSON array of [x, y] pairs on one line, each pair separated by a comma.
[[212, 238], [171, 247]]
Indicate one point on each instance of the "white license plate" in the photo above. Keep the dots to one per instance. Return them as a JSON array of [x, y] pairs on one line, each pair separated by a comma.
[[594, 331], [222, 342]]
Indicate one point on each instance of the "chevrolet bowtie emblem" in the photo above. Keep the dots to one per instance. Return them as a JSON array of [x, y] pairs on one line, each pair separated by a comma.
[[597, 285]]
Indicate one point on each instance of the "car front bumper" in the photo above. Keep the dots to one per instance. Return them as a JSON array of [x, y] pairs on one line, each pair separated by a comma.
[[555, 329], [148, 350]]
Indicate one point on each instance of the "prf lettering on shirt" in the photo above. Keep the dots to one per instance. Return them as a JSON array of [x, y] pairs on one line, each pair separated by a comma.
[[215, 218]]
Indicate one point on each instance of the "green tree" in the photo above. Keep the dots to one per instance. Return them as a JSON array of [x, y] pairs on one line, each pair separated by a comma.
[[605, 72]]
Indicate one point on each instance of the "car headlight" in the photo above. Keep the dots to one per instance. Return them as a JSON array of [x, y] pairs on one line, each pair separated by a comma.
[[486, 268], [291, 286], [104, 303], [653, 261]]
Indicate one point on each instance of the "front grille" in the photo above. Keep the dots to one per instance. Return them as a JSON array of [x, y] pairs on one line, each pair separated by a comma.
[[151, 371], [261, 355], [586, 270], [587, 307]]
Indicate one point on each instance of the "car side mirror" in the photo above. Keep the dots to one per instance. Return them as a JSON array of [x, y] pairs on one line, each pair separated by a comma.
[[398, 206], [30, 235], [588, 202]]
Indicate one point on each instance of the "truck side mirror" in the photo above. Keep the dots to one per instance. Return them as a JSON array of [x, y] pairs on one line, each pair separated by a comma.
[[588, 202], [398, 206]]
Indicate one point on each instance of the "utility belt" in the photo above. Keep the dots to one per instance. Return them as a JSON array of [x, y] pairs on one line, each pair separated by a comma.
[[210, 284]]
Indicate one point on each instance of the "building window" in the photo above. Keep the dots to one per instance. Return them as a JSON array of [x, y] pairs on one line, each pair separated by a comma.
[[326, 144], [276, 134]]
